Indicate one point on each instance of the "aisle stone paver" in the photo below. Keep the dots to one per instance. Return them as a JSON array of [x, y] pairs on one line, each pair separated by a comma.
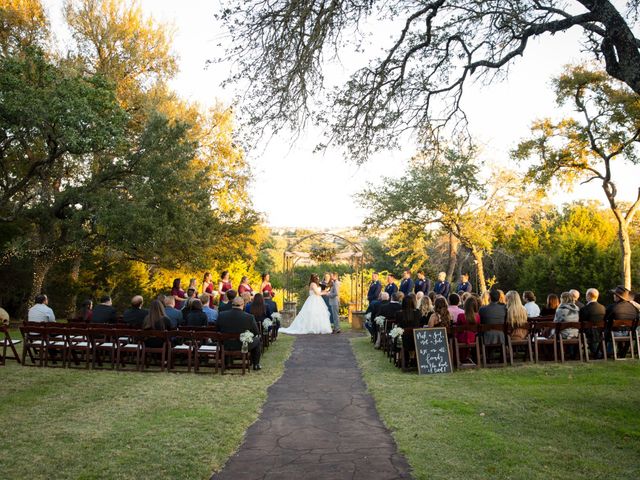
[[318, 422]]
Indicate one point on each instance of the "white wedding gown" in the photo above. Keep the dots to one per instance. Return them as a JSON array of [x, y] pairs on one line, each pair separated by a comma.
[[313, 316]]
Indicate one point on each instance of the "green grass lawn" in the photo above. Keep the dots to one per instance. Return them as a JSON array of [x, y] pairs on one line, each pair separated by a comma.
[[574, 421], [101, 424]]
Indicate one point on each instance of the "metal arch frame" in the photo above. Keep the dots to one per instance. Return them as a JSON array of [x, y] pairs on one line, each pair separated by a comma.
[[356, 263]]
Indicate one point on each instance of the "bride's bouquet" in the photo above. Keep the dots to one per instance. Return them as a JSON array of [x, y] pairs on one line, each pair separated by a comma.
[[266, 324], [380, 321], [246, 338]]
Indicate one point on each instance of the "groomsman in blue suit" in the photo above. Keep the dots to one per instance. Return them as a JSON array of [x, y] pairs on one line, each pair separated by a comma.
[[391, 287], [422, 284], [464, 285], [406, 285], [374, 288]]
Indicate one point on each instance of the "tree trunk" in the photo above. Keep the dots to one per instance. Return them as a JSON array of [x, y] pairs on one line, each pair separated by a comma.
[[74, 276], [478, 257], [41, 266], [454, 245], [625, 248]]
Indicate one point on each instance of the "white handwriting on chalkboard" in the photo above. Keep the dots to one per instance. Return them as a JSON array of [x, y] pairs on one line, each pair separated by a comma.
[[432, 349]]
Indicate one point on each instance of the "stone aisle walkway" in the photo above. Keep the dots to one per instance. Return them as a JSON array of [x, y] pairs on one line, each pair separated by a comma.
[[318, 422]]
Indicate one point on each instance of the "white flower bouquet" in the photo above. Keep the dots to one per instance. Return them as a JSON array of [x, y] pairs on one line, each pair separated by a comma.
[[380, 321], [396, 332], [368, 316], [246, 338], [266, 324], [276, 316]]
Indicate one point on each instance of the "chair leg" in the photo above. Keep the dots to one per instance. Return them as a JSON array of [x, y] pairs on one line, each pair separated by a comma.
[[561, 350], [510, 348], [484, 355]]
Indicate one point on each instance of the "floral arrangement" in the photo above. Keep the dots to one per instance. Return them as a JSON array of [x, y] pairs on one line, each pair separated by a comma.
[[266, 324], [246, 338], [276, 316], [368, 316], [396, 332], [380, 321]]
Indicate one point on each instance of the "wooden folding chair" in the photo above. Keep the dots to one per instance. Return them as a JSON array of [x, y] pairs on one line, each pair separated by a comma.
[[595, 330], [104, 340], [512, 344], [161, 350], [484, 328], [79, 341], [564, 342], [8, 342], [408, 347], [128, 344], [231, 355], [210, 346], [56, 340], [458, 345], [33, 342], [621, 331], [540, 331], [181, 344]]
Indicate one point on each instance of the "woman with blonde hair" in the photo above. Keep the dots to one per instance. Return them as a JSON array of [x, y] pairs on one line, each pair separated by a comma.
[[567, 311], [426, 309], [503, 297], [516, 316], [485, 299], [441, 316]]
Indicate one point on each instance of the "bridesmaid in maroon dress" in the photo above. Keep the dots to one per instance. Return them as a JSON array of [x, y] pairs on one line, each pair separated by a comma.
[[178, 293], [244, 286], [207, 287], [266, 284], [224, 283]]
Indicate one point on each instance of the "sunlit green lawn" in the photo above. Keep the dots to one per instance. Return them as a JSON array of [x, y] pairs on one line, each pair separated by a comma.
[[577, 421], [102, 424]]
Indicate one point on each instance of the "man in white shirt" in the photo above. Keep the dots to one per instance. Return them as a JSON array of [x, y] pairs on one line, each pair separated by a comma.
[[41, 312]]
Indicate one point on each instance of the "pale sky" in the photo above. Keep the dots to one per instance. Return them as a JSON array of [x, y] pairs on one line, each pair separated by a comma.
[[296, 188]]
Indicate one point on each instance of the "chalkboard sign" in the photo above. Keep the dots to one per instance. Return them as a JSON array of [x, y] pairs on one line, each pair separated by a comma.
[[432, 350]]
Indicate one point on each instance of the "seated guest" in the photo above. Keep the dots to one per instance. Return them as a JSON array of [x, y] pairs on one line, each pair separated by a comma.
[[195, 317], [390, 309], [432, 296], [426, 310], [464, 285], [593, 311], [503, 297], [269, 302], [246, 296], [238, 321], [173, 314], [454, 307], [464, 296], [442, 285], [104, 311], [408, 316], [441, 316], [517, 316], [485, 299], [374, 310], [422, 284], [493, 314], [86, 311], [419, 297], [244, 286], [259, 309], [4, 317], [41, 312], [622, 308], [406, 284], [469, 316], [223, 307], [156, 319], [211, 313], [530, 305], [576, 298], [552, 304], [178, 294], [567, 311], [391, 286], [375, 287], [135, 315]]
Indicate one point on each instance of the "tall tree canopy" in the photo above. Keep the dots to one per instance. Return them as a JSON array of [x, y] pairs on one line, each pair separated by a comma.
[[281, 46]]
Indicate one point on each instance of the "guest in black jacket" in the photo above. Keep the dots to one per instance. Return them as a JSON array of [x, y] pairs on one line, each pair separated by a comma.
[[224, 306], [593, 312], [104, 311], [493, 314], [390, 309], [134, 316], [408, 317], [238, 321], [195, 317]]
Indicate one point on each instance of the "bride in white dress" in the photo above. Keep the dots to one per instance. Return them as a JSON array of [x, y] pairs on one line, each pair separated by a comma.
[[314, 314]]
